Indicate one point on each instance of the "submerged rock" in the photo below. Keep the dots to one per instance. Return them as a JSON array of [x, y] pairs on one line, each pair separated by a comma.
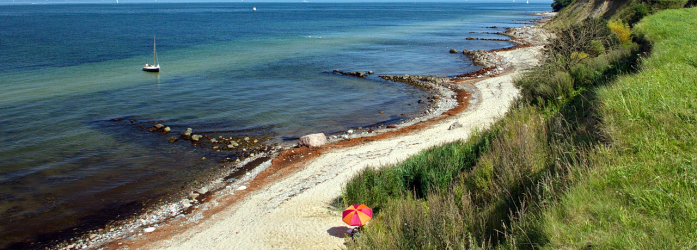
[[196, 138], [187, 134]]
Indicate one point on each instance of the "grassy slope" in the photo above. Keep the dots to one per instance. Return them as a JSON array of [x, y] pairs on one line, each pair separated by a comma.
[[548, 174], [642, 193]]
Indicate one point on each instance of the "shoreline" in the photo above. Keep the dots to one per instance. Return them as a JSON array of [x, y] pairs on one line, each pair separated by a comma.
[[268, 172]]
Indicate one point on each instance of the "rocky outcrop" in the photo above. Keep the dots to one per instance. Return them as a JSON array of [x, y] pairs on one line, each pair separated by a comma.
[[355, 73], [419, 81], [486, 59]]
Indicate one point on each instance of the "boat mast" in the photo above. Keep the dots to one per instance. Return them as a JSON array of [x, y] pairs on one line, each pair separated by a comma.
[[154, 54]]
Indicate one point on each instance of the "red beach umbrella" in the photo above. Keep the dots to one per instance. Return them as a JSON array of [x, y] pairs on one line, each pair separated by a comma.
[[357, 215]]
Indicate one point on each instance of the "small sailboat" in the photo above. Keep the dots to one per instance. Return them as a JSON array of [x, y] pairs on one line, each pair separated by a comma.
[[155, 67]]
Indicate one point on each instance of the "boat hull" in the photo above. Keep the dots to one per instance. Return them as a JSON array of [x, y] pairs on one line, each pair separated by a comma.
[[151, 69]]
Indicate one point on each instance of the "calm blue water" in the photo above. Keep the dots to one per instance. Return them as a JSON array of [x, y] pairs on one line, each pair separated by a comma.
[[70, 84]]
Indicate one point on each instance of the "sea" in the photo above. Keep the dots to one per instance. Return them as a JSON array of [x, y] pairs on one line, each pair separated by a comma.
[[76, 151]]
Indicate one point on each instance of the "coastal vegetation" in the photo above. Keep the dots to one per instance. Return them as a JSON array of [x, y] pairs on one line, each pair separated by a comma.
[[599, 151]]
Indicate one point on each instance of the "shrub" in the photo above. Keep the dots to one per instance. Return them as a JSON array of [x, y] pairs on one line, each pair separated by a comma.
[[622, 30], [557, 5], [639, 12], [596, 48], [582, 37]]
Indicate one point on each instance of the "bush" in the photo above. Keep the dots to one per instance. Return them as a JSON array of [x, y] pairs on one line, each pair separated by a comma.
[[557, 5], [586, 37], [639, 12], [597, 48], [622, 30]]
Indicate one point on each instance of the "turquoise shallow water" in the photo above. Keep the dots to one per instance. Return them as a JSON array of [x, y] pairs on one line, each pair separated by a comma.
[[68, 72]]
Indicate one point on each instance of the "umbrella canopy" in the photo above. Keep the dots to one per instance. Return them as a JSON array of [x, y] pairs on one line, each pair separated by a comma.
[[357, 215]]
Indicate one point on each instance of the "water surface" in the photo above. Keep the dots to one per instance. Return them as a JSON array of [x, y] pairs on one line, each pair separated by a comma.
[[75, 106]]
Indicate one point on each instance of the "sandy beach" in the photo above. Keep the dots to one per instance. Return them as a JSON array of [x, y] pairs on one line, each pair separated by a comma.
[[288, 203]]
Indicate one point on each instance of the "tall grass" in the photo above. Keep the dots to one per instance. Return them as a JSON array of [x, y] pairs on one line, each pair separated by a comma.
[[642, 194], [599, 152], [424, 173]]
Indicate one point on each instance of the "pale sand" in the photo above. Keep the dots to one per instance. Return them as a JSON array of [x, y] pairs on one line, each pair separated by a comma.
[[295, 212]]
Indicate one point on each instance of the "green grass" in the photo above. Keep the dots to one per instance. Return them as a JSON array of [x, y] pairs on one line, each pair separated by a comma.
[[600, 156], [642, 192]]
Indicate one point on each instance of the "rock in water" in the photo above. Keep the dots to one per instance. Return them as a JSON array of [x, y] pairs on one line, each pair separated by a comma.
[[187, 134], [196, 138], [455, 125], [313, 140], [453, 51]]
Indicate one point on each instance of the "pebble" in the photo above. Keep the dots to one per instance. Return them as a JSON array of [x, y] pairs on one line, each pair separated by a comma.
[[186, 203], [242, 188], [149, 230]]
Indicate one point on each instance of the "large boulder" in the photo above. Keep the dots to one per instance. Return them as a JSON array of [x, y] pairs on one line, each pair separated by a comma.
[[313, 140]]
